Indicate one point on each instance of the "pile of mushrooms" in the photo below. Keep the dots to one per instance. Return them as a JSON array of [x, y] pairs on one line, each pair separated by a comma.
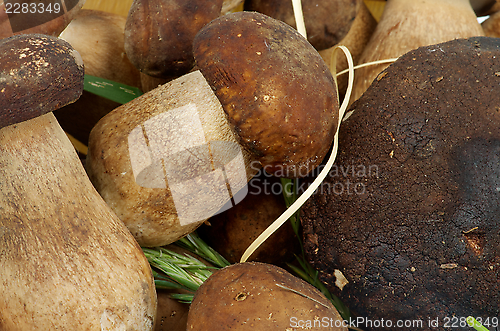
[[164, 161], [405, 226], [406, 25]]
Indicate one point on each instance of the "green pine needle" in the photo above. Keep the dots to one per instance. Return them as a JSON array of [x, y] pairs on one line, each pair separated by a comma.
[[193, 243], [111, 90], [177, 271]]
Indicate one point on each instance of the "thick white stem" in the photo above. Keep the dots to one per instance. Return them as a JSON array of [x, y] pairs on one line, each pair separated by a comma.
[[67, 261]]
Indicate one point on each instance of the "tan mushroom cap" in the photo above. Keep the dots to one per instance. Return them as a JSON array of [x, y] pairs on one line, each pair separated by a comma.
[[276, 90], [38, 74]]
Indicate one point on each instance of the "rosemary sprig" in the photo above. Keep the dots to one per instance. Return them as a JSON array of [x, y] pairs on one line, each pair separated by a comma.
[[111, 90], [193, 243], [172, 270]]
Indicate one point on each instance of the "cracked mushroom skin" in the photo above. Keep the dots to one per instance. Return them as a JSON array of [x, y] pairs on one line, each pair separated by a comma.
[[67, 262], [418, 235]]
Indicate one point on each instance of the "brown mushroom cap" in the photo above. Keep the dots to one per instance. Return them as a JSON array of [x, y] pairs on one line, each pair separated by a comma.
[[276, 90], [482, 7], [259, 296], [38, 74], [159, 34], [327, 22]]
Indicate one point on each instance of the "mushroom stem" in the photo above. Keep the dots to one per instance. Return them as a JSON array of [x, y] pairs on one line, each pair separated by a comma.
[[164, 146], [58, 237], [355, 40], [406, 25]]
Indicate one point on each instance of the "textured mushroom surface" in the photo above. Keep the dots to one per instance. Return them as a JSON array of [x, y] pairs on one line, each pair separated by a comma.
[[327, 22], [48, 17], [276, 90], [159, 34], [38, 74], [259, 296], [410, 212]]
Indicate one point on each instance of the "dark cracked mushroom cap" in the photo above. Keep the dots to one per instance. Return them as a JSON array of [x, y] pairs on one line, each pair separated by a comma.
[[276, 90], [38, 74], [410, 212]]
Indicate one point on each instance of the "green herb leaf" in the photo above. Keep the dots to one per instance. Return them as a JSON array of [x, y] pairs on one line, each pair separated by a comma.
[[109, 89]]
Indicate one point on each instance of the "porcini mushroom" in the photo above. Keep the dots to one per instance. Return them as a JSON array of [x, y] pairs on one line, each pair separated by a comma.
[[99, 38], [327, 22], [410, 214], [250, 105], [45, 17], [258, 296], [68, 262], [406, 25], [159, 34]]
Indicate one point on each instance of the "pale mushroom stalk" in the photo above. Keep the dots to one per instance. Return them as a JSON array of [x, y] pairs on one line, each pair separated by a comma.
[[67, 261], [406, 25], [355, 40], [104, 56]]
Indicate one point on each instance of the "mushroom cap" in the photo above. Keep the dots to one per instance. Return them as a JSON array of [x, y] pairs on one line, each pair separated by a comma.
[[276, 90], [159, 34], [482, 7], [410, 211], [327, 22], [38, 74]]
